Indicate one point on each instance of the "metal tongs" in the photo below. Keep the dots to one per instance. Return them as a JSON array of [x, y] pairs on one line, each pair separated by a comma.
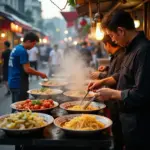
[[91, 100], [85, 96]]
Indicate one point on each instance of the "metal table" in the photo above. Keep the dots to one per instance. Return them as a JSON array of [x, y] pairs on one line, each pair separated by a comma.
[[55, 138]]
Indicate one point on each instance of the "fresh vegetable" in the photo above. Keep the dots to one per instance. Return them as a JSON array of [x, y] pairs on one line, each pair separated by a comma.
[[35, 104], [22, 120]]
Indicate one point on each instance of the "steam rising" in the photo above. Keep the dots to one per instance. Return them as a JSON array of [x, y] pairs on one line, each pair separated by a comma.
[[74, 66]]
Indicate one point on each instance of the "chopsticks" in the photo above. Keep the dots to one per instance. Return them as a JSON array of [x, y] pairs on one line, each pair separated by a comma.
[[91, 100], [85, 96]]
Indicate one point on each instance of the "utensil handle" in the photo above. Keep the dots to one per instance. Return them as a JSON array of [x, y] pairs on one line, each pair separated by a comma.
[[89, 102], [84, 97]]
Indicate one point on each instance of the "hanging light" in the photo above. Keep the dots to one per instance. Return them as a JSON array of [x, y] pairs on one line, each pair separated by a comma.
[[65, 39], [21, 39], [75, 42], [3, 35], [99, 33], [70, 38], [66, 31], [45, 40], [137, 23]]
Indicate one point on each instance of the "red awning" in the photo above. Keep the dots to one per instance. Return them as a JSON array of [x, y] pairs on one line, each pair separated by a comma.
[[70, 17]]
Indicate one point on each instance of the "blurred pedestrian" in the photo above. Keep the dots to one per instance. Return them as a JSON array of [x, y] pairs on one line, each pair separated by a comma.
[[99, 52], [33, 58], [55, 59], [86, 54], [5, 59], [43, 54]]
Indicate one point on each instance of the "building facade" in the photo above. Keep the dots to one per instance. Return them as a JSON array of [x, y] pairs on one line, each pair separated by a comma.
[[18, 5], [34, 6]]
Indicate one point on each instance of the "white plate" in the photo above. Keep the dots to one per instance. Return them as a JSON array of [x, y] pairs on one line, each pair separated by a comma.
[[38, 110], [62, 83], [61, 120], [49, 119], [97, 105], [55, 92], [69, 94]]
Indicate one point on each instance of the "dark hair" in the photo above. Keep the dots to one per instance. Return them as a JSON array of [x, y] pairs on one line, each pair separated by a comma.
[[107, 39], [7, 43], [84, 43], [31, 37], [117, 19]]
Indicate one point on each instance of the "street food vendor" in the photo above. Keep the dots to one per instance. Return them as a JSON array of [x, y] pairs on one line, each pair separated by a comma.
[[117, 55], [132, 81], [19, 68]]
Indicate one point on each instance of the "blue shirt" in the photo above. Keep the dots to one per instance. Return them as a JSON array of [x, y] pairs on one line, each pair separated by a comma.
[[16, 74]]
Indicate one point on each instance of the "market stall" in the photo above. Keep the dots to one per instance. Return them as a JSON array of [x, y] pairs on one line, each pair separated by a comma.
[[53, 107]]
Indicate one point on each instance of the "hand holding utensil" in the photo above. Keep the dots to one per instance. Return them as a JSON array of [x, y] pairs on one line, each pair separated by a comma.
[[85, 96], [91, 100]]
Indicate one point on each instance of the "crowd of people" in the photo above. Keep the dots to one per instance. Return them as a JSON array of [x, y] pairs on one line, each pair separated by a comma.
[[91, 51]]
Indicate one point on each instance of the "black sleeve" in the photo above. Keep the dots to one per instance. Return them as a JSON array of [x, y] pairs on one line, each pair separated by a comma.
[[119, 61], [116, 76], [138, 95]]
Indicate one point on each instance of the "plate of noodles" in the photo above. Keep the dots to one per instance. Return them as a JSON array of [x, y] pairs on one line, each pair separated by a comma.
[[82, 123], [74, 107], [78, 94], [54, 83], [44, 92]]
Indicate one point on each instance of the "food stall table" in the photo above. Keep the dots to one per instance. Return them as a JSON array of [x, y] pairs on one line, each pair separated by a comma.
[[55, 138]]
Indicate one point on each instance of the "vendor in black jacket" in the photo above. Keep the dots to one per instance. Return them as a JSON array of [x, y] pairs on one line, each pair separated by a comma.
[[117, 55], [133, 81]]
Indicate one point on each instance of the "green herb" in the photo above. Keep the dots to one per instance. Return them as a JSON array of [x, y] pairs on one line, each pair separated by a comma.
[[43, 89], [24, 117], [36, 102]]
